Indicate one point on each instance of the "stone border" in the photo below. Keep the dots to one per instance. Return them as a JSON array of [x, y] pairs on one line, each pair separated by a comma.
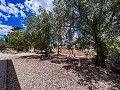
[[3, 74]]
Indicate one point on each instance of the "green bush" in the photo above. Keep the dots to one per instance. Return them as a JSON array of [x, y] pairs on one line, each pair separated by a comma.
[[2, 44]]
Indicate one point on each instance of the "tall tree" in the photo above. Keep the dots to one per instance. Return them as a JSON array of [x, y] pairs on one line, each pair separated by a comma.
[[40, 28], [94, 19], [15, 38]]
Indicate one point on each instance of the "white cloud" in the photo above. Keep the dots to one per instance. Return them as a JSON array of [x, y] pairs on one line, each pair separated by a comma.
[[3, 2], [10, 9], [4, 29], [13, 9], [34, 5], [3, 8], [29, 5], [49, 5], [22, 14], [4, 16], [21, 6], [0, 22]]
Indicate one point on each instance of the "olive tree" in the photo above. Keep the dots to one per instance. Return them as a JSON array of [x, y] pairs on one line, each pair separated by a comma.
[[93, 18]]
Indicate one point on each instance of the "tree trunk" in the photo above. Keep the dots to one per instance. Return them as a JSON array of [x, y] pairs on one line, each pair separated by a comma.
[[50, 50], [99, 45], [72, 51], [17, 49], [46, 53], [58, 50], [100, 53], [34, 49], [41, 52], [1, 50]]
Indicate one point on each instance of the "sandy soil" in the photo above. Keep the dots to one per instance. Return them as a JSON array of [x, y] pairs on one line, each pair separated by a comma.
[[27, 72]]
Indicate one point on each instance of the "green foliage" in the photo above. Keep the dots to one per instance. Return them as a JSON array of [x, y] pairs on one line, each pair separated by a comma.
[[92, 18], [113, 44], [40, 29], [16, 28], [18, 39], [6, 38], [15, 39], [2, 44]]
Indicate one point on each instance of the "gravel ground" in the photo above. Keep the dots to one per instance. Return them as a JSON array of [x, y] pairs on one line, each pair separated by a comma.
[[33, 74]]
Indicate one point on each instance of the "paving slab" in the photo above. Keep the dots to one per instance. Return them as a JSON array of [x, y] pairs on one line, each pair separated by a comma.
[[3, 69]]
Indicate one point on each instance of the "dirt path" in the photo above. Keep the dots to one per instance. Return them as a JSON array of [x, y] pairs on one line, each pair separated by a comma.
[[30, 73]]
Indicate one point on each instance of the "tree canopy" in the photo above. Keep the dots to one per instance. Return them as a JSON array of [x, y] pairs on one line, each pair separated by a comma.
[[95, 20]]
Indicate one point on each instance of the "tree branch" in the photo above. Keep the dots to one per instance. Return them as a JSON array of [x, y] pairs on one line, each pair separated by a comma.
[[80, 28]]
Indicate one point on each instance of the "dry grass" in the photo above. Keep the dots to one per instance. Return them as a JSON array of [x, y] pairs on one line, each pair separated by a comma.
[[67, 52]]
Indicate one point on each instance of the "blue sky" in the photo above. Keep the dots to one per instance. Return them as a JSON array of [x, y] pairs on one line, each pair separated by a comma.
[[14, 12]]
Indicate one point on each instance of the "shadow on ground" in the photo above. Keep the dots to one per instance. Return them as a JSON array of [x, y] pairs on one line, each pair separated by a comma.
[[31, 57], [12, 80], [42, 56], [89, 74]]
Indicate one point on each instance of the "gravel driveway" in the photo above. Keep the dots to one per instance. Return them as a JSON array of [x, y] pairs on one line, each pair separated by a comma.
[[34, 74]]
